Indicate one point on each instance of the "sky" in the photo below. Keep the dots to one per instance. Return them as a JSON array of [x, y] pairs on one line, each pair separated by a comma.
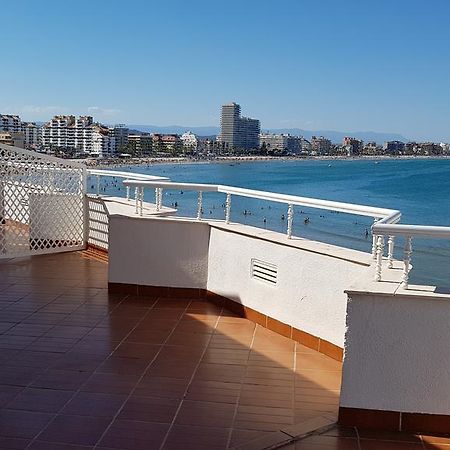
[[346, 65]]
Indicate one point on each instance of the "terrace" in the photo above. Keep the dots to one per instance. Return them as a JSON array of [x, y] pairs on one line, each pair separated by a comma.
[[154, 331]]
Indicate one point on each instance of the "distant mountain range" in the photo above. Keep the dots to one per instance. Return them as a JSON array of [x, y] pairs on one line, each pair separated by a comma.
[[334, 136]]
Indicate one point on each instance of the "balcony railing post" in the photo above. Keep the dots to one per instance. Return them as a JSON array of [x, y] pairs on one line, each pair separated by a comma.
[[136, 199], [141, 200], [199, 205], [374, 241], [379, 260], [128, 193], [390, 252], [290, 217], [98, 185], [407, 261], [160, 198], [228, 208]]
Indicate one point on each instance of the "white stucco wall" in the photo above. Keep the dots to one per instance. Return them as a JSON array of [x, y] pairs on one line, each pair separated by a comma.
[[158, 252], [309, 294], [397, 354]]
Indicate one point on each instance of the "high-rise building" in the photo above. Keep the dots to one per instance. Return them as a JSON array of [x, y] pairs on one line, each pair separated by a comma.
[[140, 144], [320, 145], [10, 123], [103, 142], [24, 134], [120, 134], [238, 132], [68, 132], [30, 133]]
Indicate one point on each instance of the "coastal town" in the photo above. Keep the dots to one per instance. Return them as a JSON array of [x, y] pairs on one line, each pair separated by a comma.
[[81, 137]]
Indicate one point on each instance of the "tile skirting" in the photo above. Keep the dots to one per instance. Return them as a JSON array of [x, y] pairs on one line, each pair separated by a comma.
[[394, 420], [302, 337]]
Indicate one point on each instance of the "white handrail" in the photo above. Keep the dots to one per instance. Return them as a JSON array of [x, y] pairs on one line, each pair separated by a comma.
[[385, 220], [349, 208], [121, 174]]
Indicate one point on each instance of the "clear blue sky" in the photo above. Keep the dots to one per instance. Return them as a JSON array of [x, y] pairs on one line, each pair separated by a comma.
[[349, 65]]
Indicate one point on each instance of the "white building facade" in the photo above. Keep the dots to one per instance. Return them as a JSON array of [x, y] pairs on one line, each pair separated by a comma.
[[189, 140]]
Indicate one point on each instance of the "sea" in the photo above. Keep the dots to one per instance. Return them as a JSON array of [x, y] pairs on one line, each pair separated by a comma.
[[419, 188]]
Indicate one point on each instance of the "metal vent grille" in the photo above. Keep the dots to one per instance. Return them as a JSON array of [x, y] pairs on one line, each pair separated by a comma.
[[264, 271]]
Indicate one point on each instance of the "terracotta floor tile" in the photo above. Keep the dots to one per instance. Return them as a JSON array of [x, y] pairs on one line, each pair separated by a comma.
[[195, 437], [22, 424], [75, 430], [241, 436], [129, 435], [94, 404], [221, 372], [110, 383], [44, 445], [162, 387], [61, 379], [386, 445], [19, 376], [14, 443], [207, 414], [213, 391], [116, 364], [149, 409], [189, 339], [7, 393], [136, 350], [41, 400], [329, 443]]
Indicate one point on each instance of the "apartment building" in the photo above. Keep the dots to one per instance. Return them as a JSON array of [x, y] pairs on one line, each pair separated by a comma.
[[278, 143], [238, 132], [320, 145], [68, 132], [140, 144]]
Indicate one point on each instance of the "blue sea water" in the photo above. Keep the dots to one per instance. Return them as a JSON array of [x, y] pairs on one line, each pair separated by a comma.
[[420, 188]]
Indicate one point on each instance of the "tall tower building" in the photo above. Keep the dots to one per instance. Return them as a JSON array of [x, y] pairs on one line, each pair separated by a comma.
[[230, 125], [236, 131]]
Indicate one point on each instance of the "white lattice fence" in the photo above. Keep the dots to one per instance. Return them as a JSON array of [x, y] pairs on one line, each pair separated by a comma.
[[41, 203], [98, 223]]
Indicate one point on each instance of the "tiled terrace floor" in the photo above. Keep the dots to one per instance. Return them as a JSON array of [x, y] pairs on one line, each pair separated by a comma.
[[83, 369]]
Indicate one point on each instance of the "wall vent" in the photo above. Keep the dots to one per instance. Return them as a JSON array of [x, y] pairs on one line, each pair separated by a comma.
[[264, 271]]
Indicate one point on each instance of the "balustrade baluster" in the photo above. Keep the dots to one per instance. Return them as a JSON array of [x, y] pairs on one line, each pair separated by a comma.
[[379, 260], [228, 208], [141, 200], [136, 199], [390, 252], [199, 205], [407, 261], [290, 219], [374, 241]]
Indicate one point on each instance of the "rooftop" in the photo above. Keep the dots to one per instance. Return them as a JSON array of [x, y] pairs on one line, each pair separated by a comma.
[[85, 367]]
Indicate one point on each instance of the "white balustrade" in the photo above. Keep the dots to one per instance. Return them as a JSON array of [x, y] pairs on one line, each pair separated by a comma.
[[385, 220]]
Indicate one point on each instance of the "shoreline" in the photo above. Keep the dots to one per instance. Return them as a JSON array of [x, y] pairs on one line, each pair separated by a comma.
[[116, 162]]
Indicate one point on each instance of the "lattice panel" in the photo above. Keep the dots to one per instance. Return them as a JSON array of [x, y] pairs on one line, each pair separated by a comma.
[[98, 223], [41, 203]]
